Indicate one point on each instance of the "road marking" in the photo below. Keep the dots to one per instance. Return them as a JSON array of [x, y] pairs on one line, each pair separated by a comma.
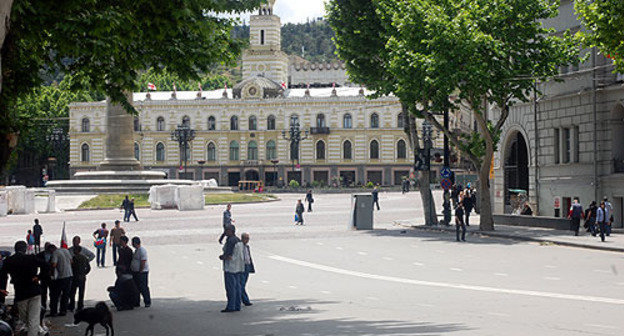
[[387, 258], [372, 298], [292, 287], [326, 292], [264, 282], [319, 244], [522, 292], [550, 266], [339, 248], [601, 326], [501, 274], [456, 269], [552, 278], [418, 264], [362, 253], [602, 271], [425, 305], [499, 314], [200, 263]]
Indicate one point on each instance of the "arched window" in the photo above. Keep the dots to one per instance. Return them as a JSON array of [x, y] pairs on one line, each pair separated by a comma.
[[271, 150], [160, 152], [160, 124], [320, 150], [401, 150], [374, 150], [262, 34], [85, 125], [186, 121], [137, 151], [347, 121], [211, 152], [234, 151], [253, 123], [374, 120], [400, 120], [234, 123], [347, 152], [85, 153], [320, 120], [212, 123], [137, 124], [271, 123], [252, 151]]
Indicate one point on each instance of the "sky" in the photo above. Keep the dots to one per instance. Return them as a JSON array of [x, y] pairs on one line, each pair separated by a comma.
[[297, 11]]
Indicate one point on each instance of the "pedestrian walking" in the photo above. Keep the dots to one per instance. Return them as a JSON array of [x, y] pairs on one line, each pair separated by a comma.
[[115, 239], [23, 270], [310, 200], [38, 232], [125, 205], [125, 254], [249, 269], [227, 221], [608, 215], [575, 215], [233, 268], [61, 280], [375, 194], [590, 218], [80, 269], [299, 213], [468, 204], [459, 218], [131, 210], [101, 236], [30, 239], [601, 220], [140, 270]]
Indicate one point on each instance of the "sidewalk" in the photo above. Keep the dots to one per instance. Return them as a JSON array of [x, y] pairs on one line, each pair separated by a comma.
[[614, 243]]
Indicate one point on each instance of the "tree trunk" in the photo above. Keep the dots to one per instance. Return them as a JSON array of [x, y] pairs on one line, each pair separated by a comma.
[[5, 20], [423, 176]]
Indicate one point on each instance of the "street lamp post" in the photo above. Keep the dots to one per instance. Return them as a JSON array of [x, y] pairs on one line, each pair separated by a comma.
[[294, 137], [426, 165], [58, 138], [183, 135], [447, 163]]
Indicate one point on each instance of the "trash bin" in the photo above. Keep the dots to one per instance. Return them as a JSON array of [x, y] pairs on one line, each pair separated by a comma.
[[362, 211]]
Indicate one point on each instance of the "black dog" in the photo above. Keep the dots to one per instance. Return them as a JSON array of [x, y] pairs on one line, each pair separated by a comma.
[[100, 314]]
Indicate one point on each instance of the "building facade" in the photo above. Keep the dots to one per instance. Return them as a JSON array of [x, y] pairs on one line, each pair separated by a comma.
[[570, 141]]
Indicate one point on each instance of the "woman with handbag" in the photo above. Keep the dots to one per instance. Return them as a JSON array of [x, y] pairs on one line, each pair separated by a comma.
[[299, 213], [100, 236]]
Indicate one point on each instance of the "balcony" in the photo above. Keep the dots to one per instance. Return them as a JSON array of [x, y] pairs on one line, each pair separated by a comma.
[[618, 166], [319, 130]]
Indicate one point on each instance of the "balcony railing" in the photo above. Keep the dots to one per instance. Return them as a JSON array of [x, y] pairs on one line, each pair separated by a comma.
[[618, 165], [319, 130]]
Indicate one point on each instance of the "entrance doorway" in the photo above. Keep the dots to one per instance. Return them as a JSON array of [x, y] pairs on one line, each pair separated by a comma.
[[617, 138], [347, 177], [618, 207], [321, 177], [516, 168], [233, 179], [374, 176], [252, 175], [294, 176]]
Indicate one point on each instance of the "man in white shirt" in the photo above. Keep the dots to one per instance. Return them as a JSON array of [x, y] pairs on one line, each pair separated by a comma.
[[61, 280], [233, 268], [140, 270]]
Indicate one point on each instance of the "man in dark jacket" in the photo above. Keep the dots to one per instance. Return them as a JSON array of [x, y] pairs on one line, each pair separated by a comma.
[[23, 269], [125, 254], [468, 203], [376, 198], [310, 200], [249, 268], [45, 275], [124, 294], [80, 269], [125, 205]]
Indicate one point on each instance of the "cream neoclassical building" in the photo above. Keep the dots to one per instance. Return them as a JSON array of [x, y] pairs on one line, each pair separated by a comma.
[[352, 139]]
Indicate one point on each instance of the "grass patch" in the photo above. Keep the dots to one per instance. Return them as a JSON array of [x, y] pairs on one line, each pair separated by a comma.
[[113, 201], [212, 199]]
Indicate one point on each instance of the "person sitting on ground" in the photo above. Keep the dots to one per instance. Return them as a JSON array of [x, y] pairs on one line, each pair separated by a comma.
[[527, 211], [124, 293]]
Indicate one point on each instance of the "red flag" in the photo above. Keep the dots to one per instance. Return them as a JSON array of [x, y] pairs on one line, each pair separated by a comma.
[[284, 85], [64, 238], [151, 87]]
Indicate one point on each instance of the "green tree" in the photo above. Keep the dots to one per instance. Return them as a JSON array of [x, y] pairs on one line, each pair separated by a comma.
[[483, 54], [604, 21], [360, 38], [105, 45]]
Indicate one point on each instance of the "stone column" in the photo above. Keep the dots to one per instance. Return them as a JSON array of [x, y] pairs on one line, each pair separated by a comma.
[[119, 139]]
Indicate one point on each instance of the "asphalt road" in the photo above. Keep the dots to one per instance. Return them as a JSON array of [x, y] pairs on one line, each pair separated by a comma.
[[325, 279]]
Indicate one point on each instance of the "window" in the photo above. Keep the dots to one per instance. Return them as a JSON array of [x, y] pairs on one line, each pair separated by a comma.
[[271, 123], [374, 120], [262, 37], [271, 150], [347, 122], [346, 150], [567, 146], [212, 123], [320, 150], [400, 120], [374, 150], [234, 123], [252, 151], [85, 154], [137, 124], [211, 152], [160, 124], [577, 154], [186, 121], [160, 152], [137, 151], [253, 123], [557, 145], [320, 120], [233, 151], [294, 119], [86, 125], [401, 150]]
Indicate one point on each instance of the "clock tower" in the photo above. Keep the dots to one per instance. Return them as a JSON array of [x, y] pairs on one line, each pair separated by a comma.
[[265, 56]]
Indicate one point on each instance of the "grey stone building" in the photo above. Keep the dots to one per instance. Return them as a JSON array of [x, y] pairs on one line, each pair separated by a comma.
[[568, 143]]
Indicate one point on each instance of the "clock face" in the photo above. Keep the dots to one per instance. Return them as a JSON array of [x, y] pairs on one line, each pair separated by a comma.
[[261, 67], [252, 91]]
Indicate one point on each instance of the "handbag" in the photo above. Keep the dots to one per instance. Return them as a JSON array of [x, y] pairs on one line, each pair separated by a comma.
[[99, 242], [296, 217]]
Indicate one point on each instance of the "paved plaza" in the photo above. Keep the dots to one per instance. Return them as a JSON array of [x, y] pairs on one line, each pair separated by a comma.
[[325, 279]]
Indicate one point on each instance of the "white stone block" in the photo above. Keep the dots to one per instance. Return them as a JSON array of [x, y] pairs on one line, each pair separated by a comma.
[[3, 203], [212, 183], [16, 199], [190, 197], [29, 201], [51, 205], [163, 197]]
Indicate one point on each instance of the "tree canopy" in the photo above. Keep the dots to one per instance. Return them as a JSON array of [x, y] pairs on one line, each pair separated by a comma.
[[604, 23]]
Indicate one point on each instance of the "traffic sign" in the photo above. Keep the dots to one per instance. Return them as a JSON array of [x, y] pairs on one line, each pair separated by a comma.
[[446, 184], [445, 172]]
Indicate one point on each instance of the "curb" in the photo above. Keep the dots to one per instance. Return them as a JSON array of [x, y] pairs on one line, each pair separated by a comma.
[[521, 238]]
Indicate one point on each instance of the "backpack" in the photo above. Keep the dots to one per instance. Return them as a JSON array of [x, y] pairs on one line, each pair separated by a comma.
[[80, 265]]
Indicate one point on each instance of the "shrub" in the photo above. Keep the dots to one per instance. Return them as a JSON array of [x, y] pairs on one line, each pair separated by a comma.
[[370, 185], [293, 184]]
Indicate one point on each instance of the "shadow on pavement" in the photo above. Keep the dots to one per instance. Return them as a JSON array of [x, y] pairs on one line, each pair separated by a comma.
[[444, 234], [181, 316]]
